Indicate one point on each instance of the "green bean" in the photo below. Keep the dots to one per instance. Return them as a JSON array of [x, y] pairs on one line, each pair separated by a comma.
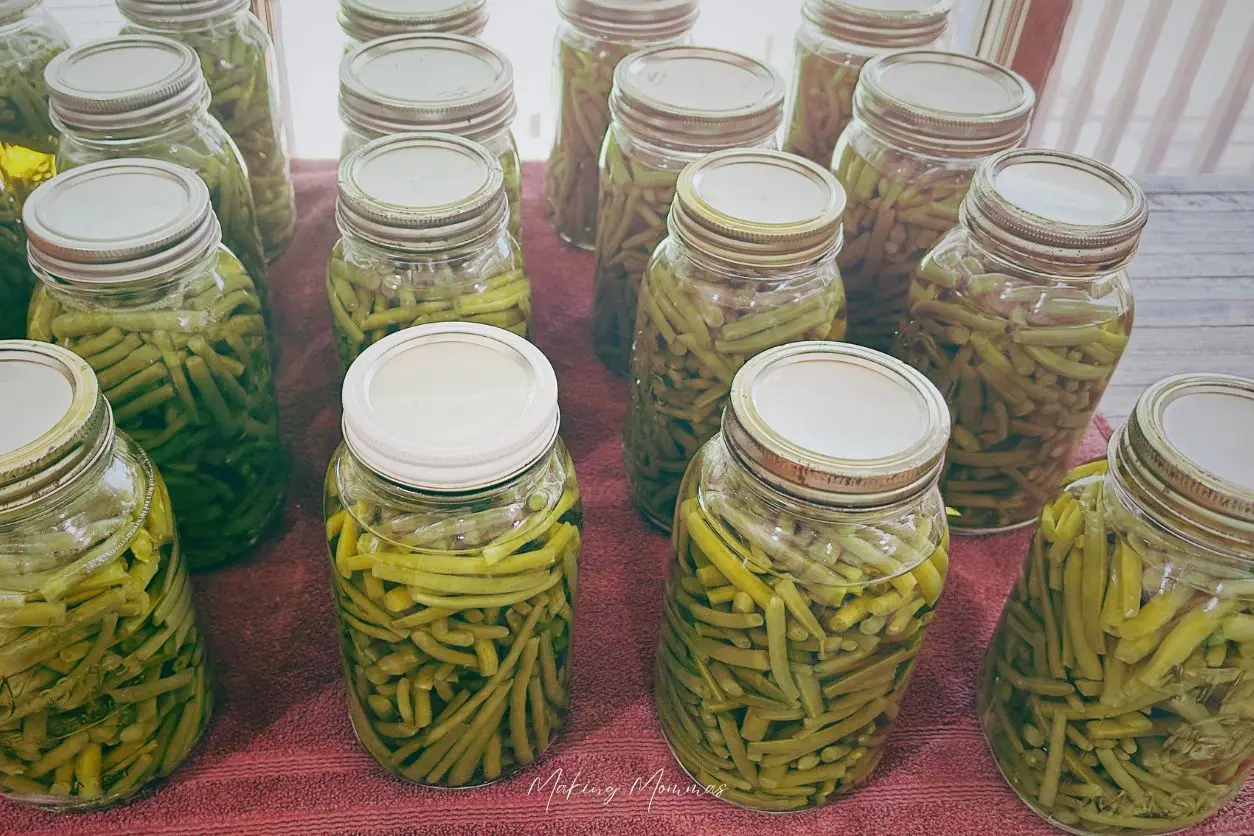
[[28, 139], [503, 638], [1151, 738], [192, 383], [821, 104], [683, 358], [17, 282]]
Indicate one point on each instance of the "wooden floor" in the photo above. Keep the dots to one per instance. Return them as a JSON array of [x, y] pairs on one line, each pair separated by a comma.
[[1193, 280]]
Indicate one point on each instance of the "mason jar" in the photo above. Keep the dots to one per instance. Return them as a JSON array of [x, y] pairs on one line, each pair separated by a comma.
[[923, 121], [16, 280], [592, 37], [1115, 693], [106, 685], [750, 263], [29, 39], [424, 238], [239, 64], [171, 323], [145, 96], [368, 20], [1019, 316], [454, 536], [434, 83], [809, 554], [670, 106]]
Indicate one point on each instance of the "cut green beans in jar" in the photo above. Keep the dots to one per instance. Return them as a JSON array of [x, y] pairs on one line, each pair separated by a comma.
[[172, 326], [670, 106], [29, 39], [1020, 317], [17, 282], [906, 162], [794, 613], [455, 585], [1114, 694], [107, 683]]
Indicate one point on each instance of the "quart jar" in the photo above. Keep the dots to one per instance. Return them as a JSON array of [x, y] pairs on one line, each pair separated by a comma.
[[591, 39], [454, 526], [923, 121], [29, 39], [750, 263], [424, 238], [1019, 316], [239, 64], [1115, 692], [145, 96], [434, 83], [16, 280], [106, 685], [670, 105], [809, 554], [134, 279], [835, 39], [368, 20]]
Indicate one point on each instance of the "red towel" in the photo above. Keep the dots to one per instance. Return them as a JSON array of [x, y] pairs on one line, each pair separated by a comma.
[[280, 756]]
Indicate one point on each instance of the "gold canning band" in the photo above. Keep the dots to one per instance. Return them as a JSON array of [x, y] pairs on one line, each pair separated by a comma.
[[822, 105], [456, 632], [898, 208], [106, 684], [782, 666], [1116, 692], [1023, 366]]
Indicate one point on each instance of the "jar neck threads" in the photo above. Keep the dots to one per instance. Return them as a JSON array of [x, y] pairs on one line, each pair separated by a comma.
[[880, 27]]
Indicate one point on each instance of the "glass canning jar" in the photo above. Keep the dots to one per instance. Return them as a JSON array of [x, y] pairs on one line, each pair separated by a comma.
[[238, 60], [29, 39], [416, 249], [1115, 695], [835, 39], [670, 106], [368, 20], [923, 121], [434, 84], [106, 685], [454, 527], [17, 282], [171, 323], [750, 263], [593, 36], [809, 554], [1019, 315], [145, 96]]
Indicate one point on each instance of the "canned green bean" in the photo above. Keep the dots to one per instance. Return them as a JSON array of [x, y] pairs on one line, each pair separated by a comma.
[[809, 554], [369, 20], [453, 528], [134, 279], [17, 282], [1020, 316], [1115, 695], [106, 685], [29, 39]]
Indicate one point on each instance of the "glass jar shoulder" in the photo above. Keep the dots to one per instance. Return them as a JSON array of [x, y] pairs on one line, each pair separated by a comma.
[[27, 45]]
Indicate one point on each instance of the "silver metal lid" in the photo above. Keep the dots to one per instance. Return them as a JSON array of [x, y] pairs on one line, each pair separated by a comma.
[[54, 420], [697, 98], [125, 82], [759, 208], [630, 19], [837, 424], [450, 407], [1056, 211], [421, 192], [161, 13], [944, 102], [886, 24], [366, 20], [445, 83], [119, 222]]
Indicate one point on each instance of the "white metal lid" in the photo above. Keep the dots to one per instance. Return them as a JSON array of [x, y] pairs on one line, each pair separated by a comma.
[[125, 82], [886, 24], [422, 192], [117, 222], [632, 19], [450, 407], [161, 13], [366, 20], [837, 423], [445, 83], [697, 98]]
